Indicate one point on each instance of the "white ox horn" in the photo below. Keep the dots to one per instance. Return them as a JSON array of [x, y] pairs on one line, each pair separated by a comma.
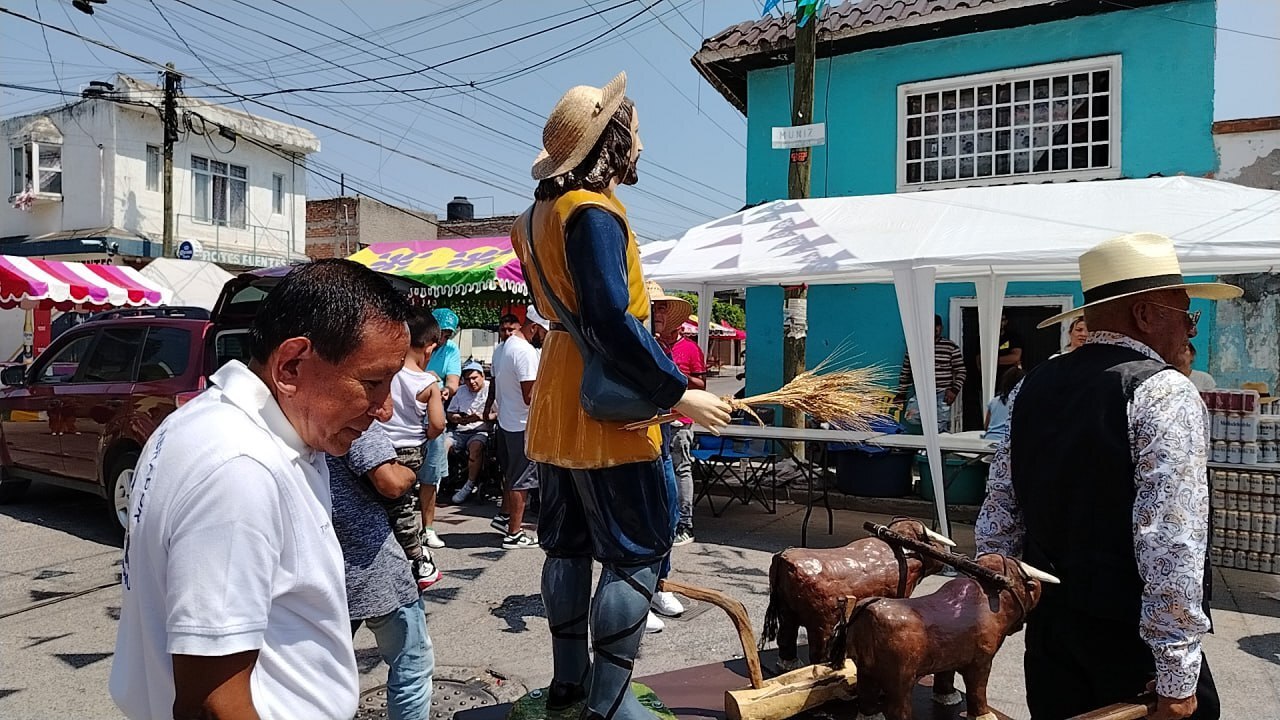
[[939, 537], [1036, 574]]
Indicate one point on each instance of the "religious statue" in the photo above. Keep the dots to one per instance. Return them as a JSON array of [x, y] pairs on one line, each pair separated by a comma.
[[604, 493]]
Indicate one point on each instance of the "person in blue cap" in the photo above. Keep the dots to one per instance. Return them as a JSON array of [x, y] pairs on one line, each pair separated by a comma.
[[446, 363]]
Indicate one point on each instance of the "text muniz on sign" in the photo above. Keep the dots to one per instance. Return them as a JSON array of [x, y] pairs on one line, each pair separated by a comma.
[[797, 136]]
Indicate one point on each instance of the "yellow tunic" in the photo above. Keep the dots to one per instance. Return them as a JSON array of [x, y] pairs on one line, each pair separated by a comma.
[[559, 431]]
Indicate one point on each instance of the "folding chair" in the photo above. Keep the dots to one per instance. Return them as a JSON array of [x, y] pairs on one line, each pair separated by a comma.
[[756, 467], [752, 462], [712, 470]]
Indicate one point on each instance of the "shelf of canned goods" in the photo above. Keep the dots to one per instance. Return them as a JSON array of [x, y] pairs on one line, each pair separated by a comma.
[[1244, 501], [1245, 427]]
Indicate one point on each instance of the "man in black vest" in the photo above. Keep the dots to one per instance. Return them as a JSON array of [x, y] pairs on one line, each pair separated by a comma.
[[1102, 482]]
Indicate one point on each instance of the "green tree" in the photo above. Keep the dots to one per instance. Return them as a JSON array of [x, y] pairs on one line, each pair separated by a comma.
[[730, 314], [721, 311]]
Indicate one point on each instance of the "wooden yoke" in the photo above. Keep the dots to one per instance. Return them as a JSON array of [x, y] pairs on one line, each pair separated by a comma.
[[781, 697]]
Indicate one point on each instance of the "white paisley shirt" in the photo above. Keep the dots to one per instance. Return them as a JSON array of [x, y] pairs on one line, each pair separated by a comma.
[[1169, 437]]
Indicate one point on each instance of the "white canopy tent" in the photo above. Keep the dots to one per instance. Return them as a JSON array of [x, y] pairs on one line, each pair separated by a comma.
[[987, 235], [195, 283]]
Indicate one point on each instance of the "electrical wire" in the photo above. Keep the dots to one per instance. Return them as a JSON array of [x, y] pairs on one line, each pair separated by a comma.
[[540, 119], [468, 118], [516, 191], [668, 80], [392, 76]]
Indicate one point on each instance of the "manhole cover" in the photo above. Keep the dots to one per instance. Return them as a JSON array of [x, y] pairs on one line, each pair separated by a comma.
[[447, 697]]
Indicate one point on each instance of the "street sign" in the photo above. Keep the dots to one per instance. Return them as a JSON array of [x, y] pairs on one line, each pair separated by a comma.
[[797, 136]]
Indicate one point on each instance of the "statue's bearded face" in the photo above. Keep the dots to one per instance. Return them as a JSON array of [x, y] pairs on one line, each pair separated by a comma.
[[630, 175]]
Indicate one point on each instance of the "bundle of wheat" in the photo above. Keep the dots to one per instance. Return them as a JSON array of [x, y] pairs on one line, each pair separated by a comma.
[[846, 398]]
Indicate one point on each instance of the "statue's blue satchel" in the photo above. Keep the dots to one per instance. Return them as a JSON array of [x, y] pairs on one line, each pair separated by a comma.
[[604, 395]]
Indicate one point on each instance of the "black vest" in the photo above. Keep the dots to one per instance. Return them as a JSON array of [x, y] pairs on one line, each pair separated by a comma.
[[1073, 475]]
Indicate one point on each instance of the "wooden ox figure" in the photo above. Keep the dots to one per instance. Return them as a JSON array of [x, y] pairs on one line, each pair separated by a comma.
[[805, 586], [959, 628]]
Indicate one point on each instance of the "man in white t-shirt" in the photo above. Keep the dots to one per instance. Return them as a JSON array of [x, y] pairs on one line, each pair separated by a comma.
[[514, 370], [234, 602]]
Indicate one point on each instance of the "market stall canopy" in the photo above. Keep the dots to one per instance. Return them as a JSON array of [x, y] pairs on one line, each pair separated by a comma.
[[716, 329], [455, 266], [30, 283], [195, 283], [1015, 231], [990, 235]]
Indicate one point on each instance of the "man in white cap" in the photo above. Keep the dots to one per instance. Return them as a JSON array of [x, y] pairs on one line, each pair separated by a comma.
[[514, 370], [1102, 482]]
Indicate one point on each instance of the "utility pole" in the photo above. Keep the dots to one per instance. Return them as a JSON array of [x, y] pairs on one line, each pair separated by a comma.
[[793, 362], [170, 113]]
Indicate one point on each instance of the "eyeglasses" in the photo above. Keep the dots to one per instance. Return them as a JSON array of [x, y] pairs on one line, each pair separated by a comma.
[[1193, 316]]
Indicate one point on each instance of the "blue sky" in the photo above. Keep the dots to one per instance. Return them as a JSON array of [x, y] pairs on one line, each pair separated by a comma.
[[694, 141], [694, 156]]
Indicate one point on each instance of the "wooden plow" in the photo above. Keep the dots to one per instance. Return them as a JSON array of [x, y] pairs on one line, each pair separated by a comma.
[[779, 697]]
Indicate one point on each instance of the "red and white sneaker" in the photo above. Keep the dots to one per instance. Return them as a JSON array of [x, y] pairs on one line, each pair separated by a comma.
[[425, 572]]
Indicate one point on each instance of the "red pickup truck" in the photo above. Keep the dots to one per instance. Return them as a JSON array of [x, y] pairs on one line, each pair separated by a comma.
[[79, 416]]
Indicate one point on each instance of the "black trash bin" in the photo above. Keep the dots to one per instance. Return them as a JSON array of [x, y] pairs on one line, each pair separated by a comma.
[[872, 471], [875, 472]]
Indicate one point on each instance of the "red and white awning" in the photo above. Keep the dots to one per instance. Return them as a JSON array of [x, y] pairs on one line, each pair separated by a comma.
[[716, 329], [30, 283]]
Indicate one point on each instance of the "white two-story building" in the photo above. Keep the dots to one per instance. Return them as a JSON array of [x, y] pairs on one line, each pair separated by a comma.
[[85, 183]]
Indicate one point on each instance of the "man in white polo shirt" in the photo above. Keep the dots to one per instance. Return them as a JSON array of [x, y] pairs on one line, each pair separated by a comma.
[[234, 602]]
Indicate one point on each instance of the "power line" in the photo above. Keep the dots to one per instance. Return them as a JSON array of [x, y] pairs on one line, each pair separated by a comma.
[[1192, 22], [468, 118], [471, 120], [392, 76], [289, 44], [516, 191], [668, 80], [508, 102], [673, 32], [294, 115]]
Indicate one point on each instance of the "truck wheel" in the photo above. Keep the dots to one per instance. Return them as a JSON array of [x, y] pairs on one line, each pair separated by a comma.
[[119, 477], [12, 490]]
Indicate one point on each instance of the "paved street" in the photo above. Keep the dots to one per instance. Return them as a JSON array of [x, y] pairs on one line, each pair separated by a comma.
[[59, 603]]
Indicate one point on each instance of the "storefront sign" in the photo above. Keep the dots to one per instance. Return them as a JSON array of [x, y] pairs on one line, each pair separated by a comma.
[[799, 136], [242, 259]]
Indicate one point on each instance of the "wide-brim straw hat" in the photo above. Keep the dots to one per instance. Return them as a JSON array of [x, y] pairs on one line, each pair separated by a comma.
[[680, 307], [575, 124], [1133, 264]]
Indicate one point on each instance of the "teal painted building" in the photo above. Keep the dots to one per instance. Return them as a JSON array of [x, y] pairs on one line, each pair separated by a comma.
[[996, 93]]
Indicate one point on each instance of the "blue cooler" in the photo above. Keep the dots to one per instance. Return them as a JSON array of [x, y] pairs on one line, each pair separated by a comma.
[[873, 471]]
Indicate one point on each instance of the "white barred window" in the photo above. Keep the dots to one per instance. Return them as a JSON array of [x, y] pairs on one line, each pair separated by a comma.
[[1060, 121]]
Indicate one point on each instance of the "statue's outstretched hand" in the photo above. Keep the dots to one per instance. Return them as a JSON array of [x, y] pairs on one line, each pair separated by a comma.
[[706, 409]]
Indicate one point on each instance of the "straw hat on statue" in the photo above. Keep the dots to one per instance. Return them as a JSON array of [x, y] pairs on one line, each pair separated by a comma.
[[575, 124]]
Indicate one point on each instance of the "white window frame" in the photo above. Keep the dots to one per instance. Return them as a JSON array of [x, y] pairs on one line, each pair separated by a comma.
[[1105, 62], [154, 169], [277, 193], [27, 170], [19, 177], [205, 214]]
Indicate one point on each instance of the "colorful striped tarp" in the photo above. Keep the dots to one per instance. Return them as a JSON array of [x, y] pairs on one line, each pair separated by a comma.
[[30, 283]]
